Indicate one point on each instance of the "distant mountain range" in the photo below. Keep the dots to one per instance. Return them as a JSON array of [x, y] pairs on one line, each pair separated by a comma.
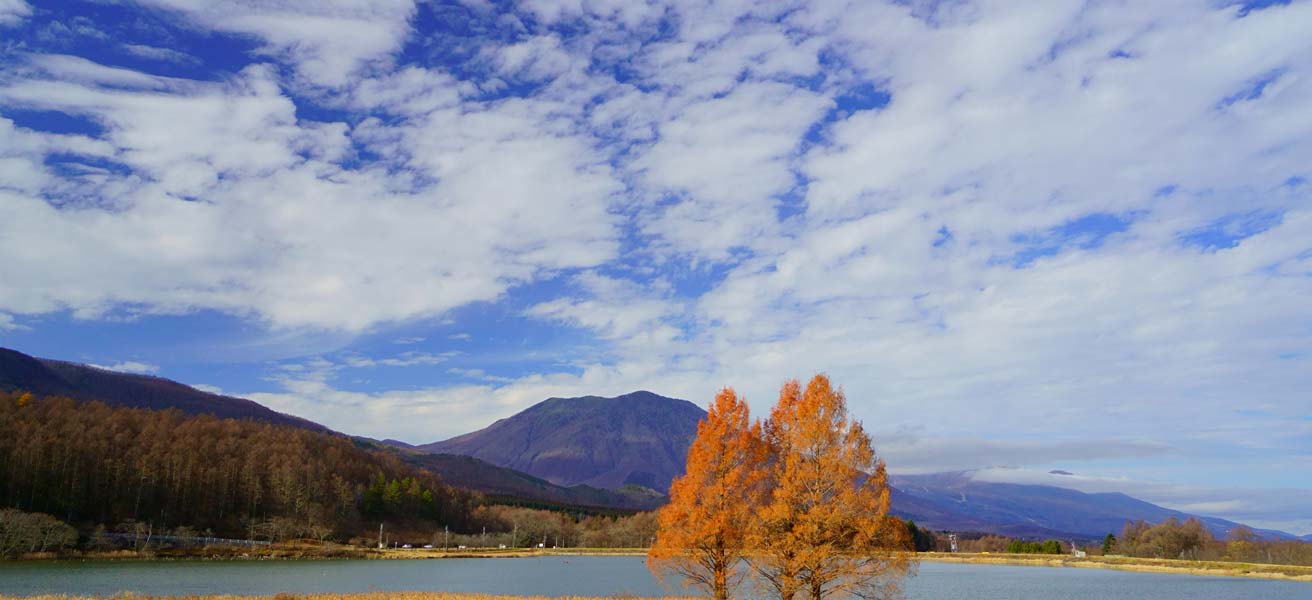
[[637, 439], [957, 502], [620, 453]]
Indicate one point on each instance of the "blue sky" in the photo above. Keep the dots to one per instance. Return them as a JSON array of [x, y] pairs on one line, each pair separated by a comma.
[[1024, 236]]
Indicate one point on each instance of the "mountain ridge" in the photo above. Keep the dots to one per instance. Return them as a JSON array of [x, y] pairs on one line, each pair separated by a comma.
[[49, 377]]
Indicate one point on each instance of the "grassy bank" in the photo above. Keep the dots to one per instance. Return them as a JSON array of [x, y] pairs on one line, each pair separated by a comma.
[[1146, 565]]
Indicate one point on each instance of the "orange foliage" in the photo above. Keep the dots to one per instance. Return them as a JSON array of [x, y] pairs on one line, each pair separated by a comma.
[[804, 501], [704, 530], [826, 529]]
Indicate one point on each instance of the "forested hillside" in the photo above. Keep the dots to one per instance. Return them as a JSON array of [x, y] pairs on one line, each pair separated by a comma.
[[91, 464]]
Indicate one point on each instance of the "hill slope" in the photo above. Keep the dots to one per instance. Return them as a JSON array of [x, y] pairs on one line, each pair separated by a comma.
[[501, 483], [635, 439], [44, 377]]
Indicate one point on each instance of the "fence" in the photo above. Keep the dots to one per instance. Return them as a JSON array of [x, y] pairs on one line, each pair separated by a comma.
[[130, 538]]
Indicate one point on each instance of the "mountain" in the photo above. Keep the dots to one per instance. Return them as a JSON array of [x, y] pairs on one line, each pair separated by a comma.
[[501, 483], [957, 502], [45, 377], [636, 439]]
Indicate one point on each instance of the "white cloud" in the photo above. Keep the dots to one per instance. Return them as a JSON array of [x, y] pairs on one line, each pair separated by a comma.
[[7, 323], [236, 205], [728, 158], [536, 59], [429, 414], [326, 41], [616, 309], [131, 366], [13, 11], [908, 453]]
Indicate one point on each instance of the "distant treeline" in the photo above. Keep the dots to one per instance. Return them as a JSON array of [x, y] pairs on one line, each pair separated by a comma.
[[527, 527], [89, 464], [1044, 547], [1170, 539], [924, 540], [1191, 540]]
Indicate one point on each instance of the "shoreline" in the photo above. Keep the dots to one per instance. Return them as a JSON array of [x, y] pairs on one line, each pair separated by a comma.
[[317, 552], [348, 596], [1140, 565], [333, 552]]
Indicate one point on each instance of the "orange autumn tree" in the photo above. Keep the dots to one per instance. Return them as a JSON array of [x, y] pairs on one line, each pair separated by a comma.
[[703, 530], [825, 529]]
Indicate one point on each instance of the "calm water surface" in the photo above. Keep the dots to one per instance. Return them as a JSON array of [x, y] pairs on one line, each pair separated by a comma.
[[592, 576]]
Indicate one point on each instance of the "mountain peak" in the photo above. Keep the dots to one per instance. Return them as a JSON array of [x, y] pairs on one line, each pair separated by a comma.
[[640, 438]]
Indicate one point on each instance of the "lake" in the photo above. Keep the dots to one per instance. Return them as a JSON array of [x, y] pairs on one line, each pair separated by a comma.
[[590, 576]]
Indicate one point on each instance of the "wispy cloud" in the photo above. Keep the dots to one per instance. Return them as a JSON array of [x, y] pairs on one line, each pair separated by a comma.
[[405, 359], [130, 366], [163, 54], [13, 11]]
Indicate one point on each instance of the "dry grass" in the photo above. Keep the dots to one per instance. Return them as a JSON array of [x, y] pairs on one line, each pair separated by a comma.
[[1148, 565], [366, 596]]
